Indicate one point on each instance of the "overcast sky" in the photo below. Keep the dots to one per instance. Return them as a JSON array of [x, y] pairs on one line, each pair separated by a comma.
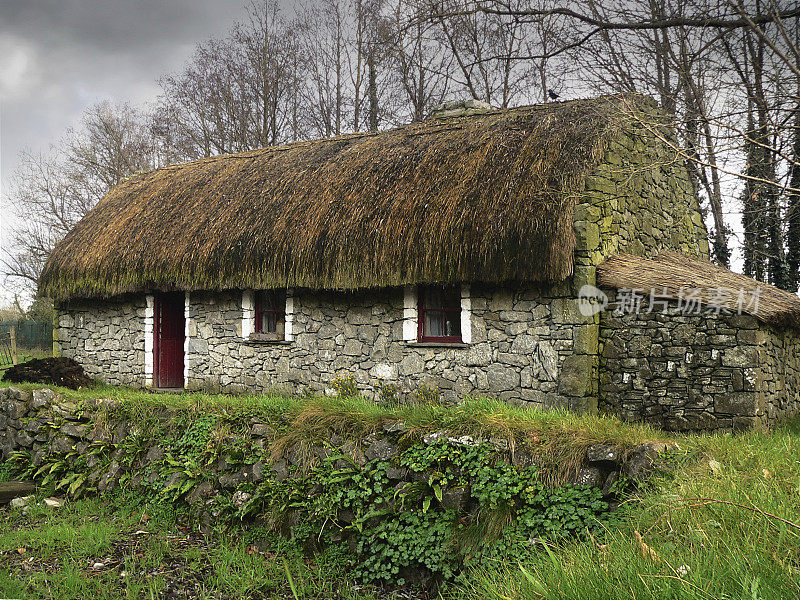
[[57, 57]]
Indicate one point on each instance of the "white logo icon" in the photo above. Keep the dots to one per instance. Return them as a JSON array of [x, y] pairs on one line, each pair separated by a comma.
[[591, 300]]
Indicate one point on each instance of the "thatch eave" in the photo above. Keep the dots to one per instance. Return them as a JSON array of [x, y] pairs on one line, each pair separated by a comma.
[[676, 275]]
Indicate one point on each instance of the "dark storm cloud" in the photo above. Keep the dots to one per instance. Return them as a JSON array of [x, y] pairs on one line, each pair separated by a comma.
[[57, 57], [103, 25]]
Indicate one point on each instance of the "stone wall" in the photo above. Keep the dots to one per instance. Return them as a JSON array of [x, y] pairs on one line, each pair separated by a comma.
[[691, 372], [45, 425], [520, 349], [779, 372], [523, 347], [640, 201], [106, 337]]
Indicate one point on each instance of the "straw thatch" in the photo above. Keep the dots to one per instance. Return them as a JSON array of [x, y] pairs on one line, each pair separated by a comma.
[[678, 276], [486, 197]]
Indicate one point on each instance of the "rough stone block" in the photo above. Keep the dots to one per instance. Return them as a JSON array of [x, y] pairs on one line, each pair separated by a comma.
[[23, 439], [739, 357], [16, 409], [42, 399], [588, 235], [72, 430], [585, 405], [567, 311], [583, 275], [736, 403], [602, 453], [502, 378], [455, 498], [575, 376], [479, 355], [585, 339], [591, 476], [381, 449]]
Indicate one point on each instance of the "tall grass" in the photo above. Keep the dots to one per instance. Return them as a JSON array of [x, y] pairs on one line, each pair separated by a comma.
[[726, 524]]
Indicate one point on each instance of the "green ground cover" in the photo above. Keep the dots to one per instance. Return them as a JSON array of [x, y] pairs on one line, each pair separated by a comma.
[[109, 548], [723, 523]]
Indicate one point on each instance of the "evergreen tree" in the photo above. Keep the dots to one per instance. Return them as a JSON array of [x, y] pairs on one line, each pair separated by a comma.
[[793, 209]]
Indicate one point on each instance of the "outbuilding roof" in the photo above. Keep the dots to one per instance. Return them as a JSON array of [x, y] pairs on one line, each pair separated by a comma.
[[485, 197], [684, 277]]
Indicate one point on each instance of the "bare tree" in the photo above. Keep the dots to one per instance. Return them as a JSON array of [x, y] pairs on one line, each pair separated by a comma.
[[487, 50], [51, 192], [236, 93], [421, 66], [270, 47], [322, 42]]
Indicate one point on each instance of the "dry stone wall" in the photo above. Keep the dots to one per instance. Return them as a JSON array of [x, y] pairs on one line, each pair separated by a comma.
[[106, 337], [45, 425], [693, 372], [779, 373], [639, 201]]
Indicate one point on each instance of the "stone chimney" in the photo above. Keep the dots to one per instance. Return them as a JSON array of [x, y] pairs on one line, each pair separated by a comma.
[[459, 108]]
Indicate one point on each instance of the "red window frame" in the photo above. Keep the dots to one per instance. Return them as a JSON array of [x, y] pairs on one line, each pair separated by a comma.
[[453, 293], [270, 302]]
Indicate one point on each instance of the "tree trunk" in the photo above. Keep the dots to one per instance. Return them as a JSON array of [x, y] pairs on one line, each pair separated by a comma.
[[373, 89], [793, 209]]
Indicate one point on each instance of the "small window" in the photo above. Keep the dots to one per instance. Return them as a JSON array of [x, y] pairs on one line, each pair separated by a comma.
[[439, 314], [270, 313]]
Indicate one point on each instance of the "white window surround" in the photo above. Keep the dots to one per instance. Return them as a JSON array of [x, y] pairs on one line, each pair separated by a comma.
[[288, 318], [249, 315], [186, 318], [466, 315], [411, 315], [149, 313]]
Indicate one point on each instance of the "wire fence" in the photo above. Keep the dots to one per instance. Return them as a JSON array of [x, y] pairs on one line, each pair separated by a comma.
[[7, 351], [30, 334]]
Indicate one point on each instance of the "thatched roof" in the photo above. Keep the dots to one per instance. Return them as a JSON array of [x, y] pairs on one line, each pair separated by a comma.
[[485, 197], [677, 276]]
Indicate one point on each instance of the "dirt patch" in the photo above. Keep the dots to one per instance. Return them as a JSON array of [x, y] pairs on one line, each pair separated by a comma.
[[60, 371]]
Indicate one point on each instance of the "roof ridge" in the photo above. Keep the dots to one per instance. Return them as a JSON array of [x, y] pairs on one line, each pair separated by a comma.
[[426, 123]]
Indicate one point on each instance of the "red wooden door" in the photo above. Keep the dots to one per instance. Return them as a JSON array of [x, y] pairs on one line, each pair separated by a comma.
[[168, 344]]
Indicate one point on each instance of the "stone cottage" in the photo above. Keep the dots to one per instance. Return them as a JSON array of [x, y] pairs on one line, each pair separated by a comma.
[[449, 253]]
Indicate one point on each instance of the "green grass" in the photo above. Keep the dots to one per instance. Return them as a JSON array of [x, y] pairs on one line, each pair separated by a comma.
[[142, 556], [725, 525], [26, 354]]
